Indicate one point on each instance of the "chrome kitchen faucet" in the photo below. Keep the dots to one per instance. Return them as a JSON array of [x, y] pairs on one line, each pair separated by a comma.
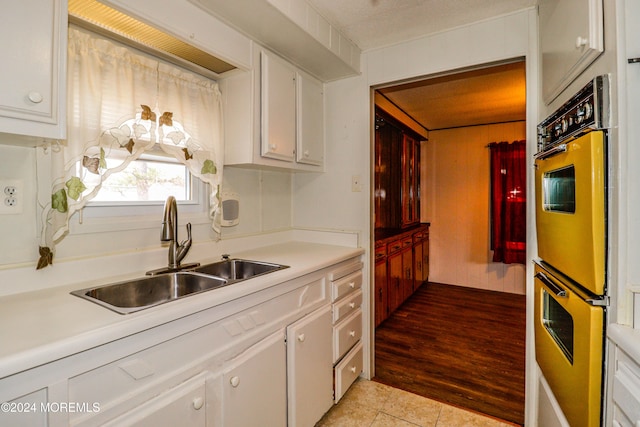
[[177, 251]]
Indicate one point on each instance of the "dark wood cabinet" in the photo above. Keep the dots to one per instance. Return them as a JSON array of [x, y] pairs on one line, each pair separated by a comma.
[[402, 244], [401, 266], [381, 283], [410, 181], [396, 174], [421, 257]]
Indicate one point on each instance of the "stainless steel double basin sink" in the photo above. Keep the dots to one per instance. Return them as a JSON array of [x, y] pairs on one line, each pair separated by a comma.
[[138, 294]]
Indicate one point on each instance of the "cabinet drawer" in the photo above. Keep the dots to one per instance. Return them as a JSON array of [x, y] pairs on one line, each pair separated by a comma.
[[381, 252], [347, 371], [346, 306], [342, 287], [407, 241], [345, 270], [346, 334], [394, 246]]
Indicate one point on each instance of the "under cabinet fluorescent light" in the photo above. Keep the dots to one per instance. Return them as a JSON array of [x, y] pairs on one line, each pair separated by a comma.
[[108, 21]]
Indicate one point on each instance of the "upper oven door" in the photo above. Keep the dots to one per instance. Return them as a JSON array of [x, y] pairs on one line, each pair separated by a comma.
[[570, 210], [569, 346]]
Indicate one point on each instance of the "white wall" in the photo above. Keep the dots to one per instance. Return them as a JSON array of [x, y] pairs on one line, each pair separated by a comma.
[[265, 199], [458, 192]]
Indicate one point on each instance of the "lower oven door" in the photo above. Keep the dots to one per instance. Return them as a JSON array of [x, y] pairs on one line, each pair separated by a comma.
[[569, 347]]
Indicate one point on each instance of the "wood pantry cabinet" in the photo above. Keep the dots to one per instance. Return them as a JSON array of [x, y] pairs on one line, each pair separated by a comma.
[[274, 116], [401, 266], [266, 357], [34, 51], [396, 174]]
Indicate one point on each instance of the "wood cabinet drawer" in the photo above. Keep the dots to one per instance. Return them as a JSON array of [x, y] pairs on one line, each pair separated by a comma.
[[342, 287], [346, 334], [347, 371], [346, 306], [381, 252], [394, 246]]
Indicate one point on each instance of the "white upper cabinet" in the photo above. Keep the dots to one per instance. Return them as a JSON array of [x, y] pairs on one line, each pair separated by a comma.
[[310, 120], [33, 49], [571, 38], [273, 116], [278, 108]]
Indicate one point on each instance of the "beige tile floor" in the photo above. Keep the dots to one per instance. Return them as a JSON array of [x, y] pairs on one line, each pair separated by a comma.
[[371, 404]]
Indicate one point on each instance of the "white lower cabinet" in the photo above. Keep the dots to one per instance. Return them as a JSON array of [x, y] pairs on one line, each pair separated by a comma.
[[255, 385], [346, 299], [267, 361], [25, 410], [185, 404], [309, 368]]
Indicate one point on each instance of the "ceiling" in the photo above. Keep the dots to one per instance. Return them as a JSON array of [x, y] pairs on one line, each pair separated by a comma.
[[489, 95], [376, 23], [483, 96]]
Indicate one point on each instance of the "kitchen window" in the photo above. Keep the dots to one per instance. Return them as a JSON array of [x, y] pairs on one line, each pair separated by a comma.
[[139, 129]]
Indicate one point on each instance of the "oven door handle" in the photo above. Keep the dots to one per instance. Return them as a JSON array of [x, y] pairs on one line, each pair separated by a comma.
[[557, 290], [561, 148]]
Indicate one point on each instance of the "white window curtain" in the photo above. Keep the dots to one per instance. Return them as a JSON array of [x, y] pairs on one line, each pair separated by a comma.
[[122, 103]]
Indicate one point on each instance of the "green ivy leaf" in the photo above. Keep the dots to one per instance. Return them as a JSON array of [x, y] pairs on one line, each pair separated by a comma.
[[208, 167], [103, 161], [59, 201], [75, 187]]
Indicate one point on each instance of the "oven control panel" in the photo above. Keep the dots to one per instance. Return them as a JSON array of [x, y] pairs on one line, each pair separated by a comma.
[[588, 110]]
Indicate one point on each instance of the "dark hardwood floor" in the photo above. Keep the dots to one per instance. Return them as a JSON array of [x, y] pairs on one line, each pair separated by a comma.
[[457, 345]]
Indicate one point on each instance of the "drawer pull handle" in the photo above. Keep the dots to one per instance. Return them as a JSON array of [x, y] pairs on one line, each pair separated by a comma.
[[198, 402], [352, 285], [353, 304], [352, 333], [301, 337], [234, 381], [353, 369]]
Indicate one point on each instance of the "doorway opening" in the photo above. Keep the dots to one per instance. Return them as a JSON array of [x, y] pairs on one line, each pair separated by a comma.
[[433, 236]]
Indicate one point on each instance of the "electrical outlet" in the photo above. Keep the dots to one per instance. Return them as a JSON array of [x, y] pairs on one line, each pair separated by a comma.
[[11, 197]]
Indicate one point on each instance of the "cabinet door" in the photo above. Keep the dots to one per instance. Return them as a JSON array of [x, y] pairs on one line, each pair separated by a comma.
[[33, 50], [310, 120], [255, 385], [410, 181], [418, 266], [396, 279], [381, 305], [185, 404], [425, 258], [25, 410], [571, 38], [310, 367], [278, 109], [407, 270]]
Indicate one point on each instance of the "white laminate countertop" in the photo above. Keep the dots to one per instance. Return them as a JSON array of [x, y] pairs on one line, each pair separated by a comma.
[[42, 326]]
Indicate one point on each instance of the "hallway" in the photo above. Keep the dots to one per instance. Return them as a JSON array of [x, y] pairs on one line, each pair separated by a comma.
[[457, 345]]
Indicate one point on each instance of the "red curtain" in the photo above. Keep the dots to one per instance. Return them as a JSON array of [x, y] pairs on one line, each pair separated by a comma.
[[508, 202]]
